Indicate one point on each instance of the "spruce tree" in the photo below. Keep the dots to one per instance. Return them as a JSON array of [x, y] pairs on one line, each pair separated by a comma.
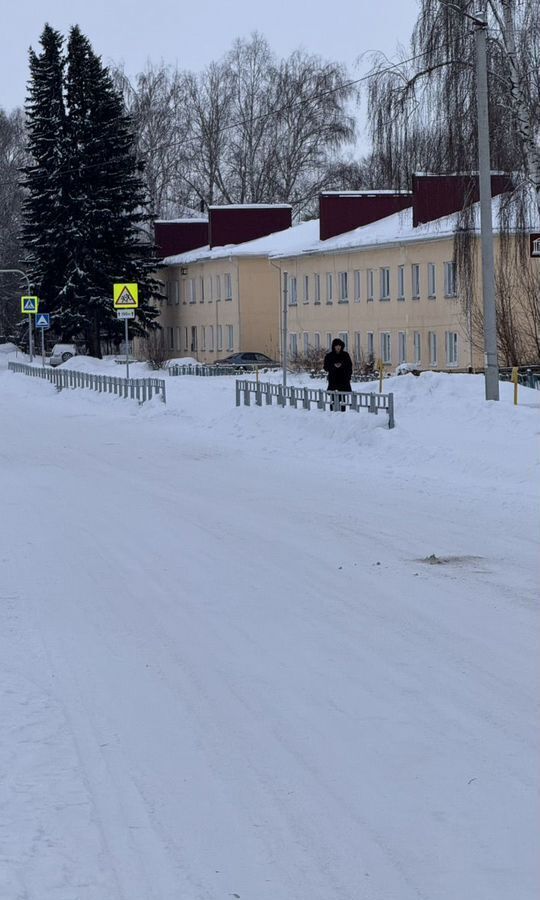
[[100, 205]]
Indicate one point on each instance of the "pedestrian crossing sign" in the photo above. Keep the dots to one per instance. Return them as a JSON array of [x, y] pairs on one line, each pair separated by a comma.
[[29, 305], [126, 296]]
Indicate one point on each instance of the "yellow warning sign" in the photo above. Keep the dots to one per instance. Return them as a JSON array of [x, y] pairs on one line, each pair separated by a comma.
[[126, 296], [29, 305]]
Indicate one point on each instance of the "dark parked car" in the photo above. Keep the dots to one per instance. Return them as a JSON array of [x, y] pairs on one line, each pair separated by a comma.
[[248, 361]]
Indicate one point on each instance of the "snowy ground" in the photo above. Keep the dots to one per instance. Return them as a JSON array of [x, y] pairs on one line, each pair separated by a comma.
[[225, 670]]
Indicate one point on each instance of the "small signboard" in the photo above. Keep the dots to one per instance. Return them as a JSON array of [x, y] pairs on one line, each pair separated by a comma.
[[43, 320], [125, 313], [29, 305], [126, 296]]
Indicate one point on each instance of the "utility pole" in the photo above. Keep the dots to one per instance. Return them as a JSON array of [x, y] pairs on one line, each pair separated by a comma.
[[491, 366], [285, 337]]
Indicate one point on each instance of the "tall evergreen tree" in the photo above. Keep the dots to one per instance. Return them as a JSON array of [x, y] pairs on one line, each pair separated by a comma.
[[99, 202]]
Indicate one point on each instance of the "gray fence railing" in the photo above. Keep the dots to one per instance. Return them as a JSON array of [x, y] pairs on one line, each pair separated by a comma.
[[201, 370], [140, 389], [528, 377], [305, 397]]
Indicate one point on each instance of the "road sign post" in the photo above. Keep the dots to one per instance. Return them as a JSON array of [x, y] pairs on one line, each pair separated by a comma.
[[29, 307], [43, 321], [126, 299]]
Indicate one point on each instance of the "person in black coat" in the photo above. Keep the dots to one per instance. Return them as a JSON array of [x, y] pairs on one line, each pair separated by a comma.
[[338, 364]]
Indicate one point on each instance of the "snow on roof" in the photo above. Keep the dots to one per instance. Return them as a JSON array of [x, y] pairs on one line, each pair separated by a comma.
[[304, 239], [252, 206], [188, 220], [290, 241]]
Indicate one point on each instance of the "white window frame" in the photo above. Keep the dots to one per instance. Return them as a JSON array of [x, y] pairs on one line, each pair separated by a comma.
[[230, 338], [293, 344], [329, 287], [317, 288], [306, 288], [306, 342], [176, 291], [416, 284], [370, 285], [357, 285], [450, 279], [203, 339], [293, 290], [432, 344], [194, 339], [417, 343], [386, 348], [357, 347], [371, 346], [218, 288], [432, 281], [219, 337], [329, 340], [170, 334], [228, 285], [452, 349], [401, 283], [317, 337], [178, 345], [192, 297], [402, 347], [211, 338], [186, 338], [343, 280], [385, 282], [344, 336], [201, 283]]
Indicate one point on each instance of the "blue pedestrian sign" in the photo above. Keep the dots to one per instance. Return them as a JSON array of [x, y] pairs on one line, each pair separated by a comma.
[[43, 320]]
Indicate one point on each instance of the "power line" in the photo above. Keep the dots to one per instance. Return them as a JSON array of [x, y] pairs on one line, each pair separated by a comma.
[[275, 112]]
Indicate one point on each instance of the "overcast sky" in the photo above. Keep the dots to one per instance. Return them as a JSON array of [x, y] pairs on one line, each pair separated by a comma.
[[191, 34]]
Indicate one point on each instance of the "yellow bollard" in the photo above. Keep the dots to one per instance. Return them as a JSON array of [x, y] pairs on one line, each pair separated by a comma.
[[380, 366], [515, 382]]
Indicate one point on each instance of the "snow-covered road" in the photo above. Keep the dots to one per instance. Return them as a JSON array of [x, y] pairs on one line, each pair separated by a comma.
[[226, 673]]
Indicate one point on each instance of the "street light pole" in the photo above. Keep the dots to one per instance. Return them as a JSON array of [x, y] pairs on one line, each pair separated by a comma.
[[29, 288], [491, 366]]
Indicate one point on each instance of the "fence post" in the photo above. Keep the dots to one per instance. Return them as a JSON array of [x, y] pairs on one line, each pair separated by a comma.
[[306, 398], [258, 395], [372, 403], [391, 422], [238, 393]]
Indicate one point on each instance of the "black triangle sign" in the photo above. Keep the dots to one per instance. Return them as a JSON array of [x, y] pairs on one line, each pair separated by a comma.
[[125, 298]]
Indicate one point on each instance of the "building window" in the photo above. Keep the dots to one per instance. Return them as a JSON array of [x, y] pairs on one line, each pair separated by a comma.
[[432, 341], [370, 276], [317, 341], [329, 340], [228, 286], [306, 288], [357, 286], [293, 292], [402, 347], [306, 342], [191, 290], [218, 287], [293, 344], [415, 271], [385, 284], [344, 336], [210, 289], [343, 287], [357, 348], [168, 293], [432, 281], [176, 292], [171, 338], [186, 339], [201, 283], [417, 348], [203, 338], [451, 348], [193, 339], [219, 336], [386, 347], [183, 290], [370, 347], [178, 344], [230, 336], [329, 287], [401, 283], [450, 279], [317, 288]]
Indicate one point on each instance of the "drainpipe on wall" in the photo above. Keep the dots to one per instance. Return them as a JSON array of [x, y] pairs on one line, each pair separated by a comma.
[[283, 320]]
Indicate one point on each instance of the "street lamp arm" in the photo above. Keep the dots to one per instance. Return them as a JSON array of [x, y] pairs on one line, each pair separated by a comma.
[[17, 272]]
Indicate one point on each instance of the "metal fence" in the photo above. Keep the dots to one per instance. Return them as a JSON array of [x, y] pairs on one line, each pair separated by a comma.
[[140, 389], [178, 369], [305, 397], [528, 377]]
